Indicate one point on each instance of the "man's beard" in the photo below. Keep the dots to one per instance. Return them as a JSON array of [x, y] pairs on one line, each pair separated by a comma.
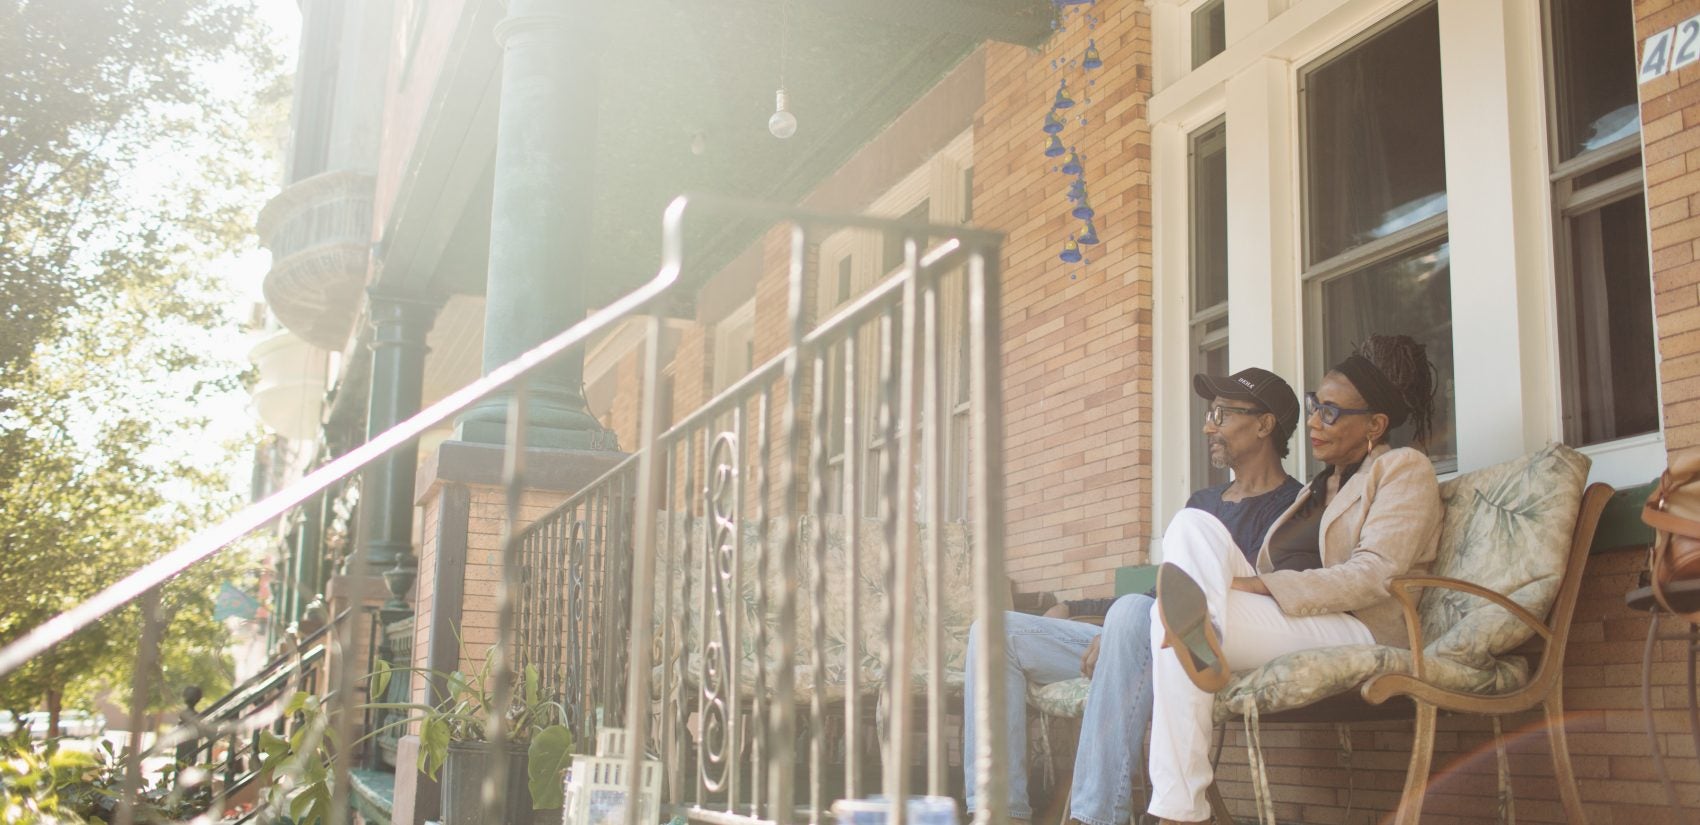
[[1219, 457]]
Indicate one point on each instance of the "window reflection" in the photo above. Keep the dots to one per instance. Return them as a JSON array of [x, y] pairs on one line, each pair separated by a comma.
[[1407, 295], [1375, 159], [1594, 72]]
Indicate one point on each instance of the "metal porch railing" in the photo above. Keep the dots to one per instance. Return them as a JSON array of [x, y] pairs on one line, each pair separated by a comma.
[[872, 392]]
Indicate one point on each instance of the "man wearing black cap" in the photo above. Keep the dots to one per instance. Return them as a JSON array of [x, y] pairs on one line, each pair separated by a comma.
[[1249, 425]]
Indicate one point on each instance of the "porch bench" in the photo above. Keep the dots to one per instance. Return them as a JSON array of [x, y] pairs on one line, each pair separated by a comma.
[[1513, 546]]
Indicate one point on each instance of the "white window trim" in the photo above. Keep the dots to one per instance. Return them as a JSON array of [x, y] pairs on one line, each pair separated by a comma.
[[730, 335], [1505, 320], [937, 180], [1624, 462]]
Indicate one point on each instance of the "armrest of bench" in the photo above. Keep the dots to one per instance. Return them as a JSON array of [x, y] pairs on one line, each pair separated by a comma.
[[1404, 589]]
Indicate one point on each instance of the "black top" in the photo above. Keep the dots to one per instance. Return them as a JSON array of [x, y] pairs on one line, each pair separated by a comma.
[[1249, 518], [1297, 544], [1247, 521]]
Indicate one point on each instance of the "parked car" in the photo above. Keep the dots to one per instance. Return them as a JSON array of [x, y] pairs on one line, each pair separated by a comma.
[[73, 723]]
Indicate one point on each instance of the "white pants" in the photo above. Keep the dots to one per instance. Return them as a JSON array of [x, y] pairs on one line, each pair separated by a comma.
[[1253, 631]]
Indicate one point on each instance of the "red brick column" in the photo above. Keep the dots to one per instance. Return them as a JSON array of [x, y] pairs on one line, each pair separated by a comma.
[[1670, 113], [1077, 339]]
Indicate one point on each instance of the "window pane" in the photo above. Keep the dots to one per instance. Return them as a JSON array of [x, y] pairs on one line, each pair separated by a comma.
[[1594, 68], [1209, 32], [1611, 371], [1408, 295], [893, 246], [1213, 360], [1210, 217], [1374, 158], [844, 270], [968, 195]]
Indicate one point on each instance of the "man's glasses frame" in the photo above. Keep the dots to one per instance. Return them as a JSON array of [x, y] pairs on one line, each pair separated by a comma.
[[1329, 410], [1218, 413]]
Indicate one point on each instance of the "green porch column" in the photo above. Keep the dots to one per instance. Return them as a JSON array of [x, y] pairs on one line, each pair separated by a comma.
[[309, 561], [399, 326], [540, 216]]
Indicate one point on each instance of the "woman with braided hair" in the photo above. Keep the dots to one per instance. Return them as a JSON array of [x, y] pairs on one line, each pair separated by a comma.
[[1320, 580]]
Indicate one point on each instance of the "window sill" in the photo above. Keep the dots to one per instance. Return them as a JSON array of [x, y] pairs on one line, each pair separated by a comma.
[[1627, 462]]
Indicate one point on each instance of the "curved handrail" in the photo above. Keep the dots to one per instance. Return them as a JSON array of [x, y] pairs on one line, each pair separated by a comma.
[[307, 648], [44, 636]]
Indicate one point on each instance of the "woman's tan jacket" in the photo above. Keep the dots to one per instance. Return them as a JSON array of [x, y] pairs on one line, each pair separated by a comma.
[[1384, 522]]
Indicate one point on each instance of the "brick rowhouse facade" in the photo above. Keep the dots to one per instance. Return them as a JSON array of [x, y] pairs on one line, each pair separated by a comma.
[[1080, 393], [1078, 378]]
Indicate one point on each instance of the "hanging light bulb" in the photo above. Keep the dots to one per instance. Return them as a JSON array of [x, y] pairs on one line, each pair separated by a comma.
[[783, 124], [1072, 165], [1092, 60], [1071, 251], [1054, 149], [1090, 236], [1064, 100], [1053, 124]]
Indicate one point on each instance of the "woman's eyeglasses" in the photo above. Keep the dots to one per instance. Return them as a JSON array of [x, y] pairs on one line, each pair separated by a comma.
[[1218, 413], [1329, 411]]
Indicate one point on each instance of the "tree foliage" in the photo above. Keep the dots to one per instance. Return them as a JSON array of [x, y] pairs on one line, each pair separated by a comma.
[[130, 169]]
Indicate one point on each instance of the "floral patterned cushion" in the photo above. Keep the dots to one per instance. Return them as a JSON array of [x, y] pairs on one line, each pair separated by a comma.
[[1066, 698], [1507, 528]]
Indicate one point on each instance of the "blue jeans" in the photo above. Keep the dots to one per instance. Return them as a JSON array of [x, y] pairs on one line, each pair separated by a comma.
[[1039, 651]]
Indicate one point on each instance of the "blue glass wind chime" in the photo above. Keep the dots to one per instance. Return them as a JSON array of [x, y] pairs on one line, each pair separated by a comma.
[[1057, 119]]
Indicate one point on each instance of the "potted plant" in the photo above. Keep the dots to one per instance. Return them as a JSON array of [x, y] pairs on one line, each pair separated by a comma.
[[454, 741]]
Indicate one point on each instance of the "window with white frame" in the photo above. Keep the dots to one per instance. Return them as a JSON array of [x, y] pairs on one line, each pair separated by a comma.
[[734, 346], [1207, 178], [1608, 364], [1376, 258], [850, 262], [1209, 31]]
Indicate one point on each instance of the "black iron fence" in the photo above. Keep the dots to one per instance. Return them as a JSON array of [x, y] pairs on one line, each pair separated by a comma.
[[808, 596], [784, 550], [575, 600]]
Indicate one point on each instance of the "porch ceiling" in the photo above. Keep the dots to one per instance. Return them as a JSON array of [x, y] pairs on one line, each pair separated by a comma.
[[674, 70]]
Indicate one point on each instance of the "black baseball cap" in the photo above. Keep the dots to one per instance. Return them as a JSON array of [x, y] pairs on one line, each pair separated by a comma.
[[1259, 386]]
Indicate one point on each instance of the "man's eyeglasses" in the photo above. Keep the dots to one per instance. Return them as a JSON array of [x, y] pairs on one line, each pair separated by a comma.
[[1218, 413], [1329, 411]]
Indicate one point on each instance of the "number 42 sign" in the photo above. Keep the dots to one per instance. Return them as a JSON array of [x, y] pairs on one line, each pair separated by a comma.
[[1671, 49]]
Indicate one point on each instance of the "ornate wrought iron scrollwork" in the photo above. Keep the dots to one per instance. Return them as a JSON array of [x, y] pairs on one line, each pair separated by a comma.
[[719, 696], [578, 683]]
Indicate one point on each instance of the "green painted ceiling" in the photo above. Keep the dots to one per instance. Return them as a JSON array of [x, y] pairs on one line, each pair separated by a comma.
[[676, 69]]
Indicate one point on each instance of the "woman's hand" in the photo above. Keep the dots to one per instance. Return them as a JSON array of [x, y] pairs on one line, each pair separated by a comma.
[[1089, 662], [1250, 584]]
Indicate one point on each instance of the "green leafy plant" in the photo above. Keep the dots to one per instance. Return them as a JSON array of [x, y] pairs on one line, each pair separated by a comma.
[[301, 766], [467, 714], [49, 783]]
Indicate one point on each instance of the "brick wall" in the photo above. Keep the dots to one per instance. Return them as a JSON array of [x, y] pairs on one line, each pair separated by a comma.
[[1077, 339], [1670, 113], [625, 409], [477, 621]]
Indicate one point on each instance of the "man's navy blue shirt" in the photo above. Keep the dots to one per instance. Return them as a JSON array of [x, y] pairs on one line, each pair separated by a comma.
[[1248, 519]]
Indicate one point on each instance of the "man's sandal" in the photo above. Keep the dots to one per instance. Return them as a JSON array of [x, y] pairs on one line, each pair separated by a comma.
[[1186, 627]]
